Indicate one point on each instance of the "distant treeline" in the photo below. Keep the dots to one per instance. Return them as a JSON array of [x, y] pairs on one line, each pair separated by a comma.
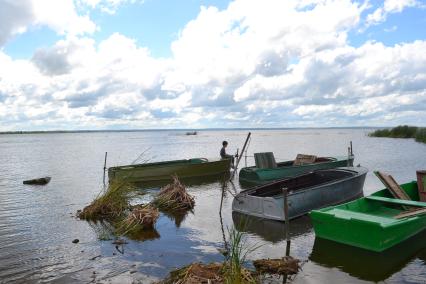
[[402, 131]]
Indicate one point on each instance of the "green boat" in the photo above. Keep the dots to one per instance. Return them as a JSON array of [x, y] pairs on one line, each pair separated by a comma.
[[162, 171], [266, 170], [376, 222]]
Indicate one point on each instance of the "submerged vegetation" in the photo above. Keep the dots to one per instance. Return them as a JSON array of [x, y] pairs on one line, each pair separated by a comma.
[[402, 131]]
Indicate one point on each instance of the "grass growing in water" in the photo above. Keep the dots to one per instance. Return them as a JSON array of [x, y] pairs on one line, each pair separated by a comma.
[[141, 217], [111, 203], [174, 197], [402, 131]]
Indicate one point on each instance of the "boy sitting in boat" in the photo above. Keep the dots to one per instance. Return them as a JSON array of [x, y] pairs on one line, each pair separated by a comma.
[[224, 155]]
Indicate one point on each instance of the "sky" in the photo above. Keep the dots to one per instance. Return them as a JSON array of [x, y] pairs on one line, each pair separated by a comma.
[[151, 64]]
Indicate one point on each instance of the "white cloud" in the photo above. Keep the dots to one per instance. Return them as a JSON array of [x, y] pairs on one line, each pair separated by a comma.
[[59, 15], [256, 63], [389, 7]]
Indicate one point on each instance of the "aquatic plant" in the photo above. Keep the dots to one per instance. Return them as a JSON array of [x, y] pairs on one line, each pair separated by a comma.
[[174, 197], [421, 135], [402, 131], [239, 249], [140, 217], [111, 203]]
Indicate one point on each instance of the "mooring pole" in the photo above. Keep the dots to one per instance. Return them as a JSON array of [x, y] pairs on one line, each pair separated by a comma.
[[351, 149], [240, 156], [287, 220], [106, 154]]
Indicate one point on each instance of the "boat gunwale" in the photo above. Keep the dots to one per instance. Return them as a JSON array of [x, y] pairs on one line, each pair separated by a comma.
[[304, 189]]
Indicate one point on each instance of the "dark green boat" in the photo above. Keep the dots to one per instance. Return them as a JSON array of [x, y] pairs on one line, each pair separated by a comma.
[[162, 171], [263, 174], [376, 222]]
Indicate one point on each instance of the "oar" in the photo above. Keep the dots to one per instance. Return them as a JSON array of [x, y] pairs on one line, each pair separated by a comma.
[[239, 156]]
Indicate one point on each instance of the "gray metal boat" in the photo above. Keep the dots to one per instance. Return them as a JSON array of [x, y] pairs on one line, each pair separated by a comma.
[[306, 192]]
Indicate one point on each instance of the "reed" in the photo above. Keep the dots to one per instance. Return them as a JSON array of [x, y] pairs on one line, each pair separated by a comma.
[[141, 217], [111, 203], [421, 135], [284, 266], [174, 197]]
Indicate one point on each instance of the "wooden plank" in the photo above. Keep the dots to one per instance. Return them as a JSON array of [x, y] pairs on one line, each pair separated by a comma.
[[302, 159], [392, 185], [396, 201], [411, 213]]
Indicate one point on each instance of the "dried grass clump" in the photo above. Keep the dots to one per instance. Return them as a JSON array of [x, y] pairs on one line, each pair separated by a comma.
[[195, 273], [286, 265], [141, 217], [109, 204], [174, 197]]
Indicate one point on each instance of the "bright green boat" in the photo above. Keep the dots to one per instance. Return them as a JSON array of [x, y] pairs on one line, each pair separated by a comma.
[[162, 171], [260, 174], [376, 222]]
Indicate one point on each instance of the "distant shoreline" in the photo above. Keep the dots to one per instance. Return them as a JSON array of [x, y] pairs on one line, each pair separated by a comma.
[[176, 129]]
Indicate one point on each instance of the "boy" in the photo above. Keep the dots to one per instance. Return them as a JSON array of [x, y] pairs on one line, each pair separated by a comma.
[[223, 154]]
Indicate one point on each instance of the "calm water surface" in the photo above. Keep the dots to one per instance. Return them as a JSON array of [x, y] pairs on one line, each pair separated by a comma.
[[37, 224]]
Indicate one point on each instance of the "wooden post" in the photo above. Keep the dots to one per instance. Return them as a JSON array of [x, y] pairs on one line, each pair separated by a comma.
[[351, 149], [239, 157], [106, 154], [286, 217]]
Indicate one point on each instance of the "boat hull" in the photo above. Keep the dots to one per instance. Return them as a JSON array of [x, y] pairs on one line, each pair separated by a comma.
[[162, 171], [304, 200], [254, 176], [368, 224]]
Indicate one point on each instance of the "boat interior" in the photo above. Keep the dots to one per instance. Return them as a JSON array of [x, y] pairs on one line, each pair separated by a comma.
[[303, 181], [380, 207]]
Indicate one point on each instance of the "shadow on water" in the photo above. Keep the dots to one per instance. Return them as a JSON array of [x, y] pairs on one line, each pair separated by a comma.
[[270, 230], [369, 265]]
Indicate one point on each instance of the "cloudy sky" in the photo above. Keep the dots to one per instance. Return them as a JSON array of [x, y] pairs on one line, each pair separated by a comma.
[[126, 64]]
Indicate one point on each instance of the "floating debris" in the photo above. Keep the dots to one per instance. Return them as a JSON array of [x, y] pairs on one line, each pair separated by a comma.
[[174, 197], [38, 181], [286, 265], [75, 241], [110, 204]]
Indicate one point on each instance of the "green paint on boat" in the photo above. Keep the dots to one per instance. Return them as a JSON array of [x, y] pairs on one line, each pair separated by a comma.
[[370, 222], [254, 176], [162, 171]]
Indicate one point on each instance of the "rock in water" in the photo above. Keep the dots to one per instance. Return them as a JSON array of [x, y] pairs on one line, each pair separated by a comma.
[[38, 181], [75, 241]]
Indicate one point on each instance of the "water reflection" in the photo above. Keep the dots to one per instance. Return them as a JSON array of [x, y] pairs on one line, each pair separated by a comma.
[[368, 265], [271, 230]]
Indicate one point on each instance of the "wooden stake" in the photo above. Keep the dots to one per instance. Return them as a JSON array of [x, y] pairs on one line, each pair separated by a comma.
[[106, 154], [286, 217]]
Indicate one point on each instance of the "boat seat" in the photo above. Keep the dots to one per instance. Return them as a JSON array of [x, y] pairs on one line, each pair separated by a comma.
[[397, 201], [265, 160], [348, 215]]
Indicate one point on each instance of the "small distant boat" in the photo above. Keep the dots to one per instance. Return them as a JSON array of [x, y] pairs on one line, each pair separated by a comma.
[[162, 171], [376, 222], [267, 170], [191, 133], [306, 192]]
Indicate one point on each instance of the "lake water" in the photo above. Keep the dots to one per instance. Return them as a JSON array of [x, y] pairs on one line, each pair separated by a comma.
[[38, 224]]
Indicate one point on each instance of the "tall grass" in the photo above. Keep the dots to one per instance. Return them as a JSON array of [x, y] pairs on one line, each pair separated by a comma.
[[421, 135], [110, 203], [238, 253], [402, 131]]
